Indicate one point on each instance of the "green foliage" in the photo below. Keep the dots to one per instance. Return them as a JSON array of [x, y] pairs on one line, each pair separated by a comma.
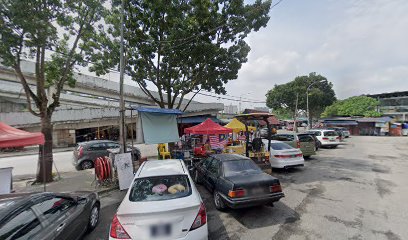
[[178, 47], [283, 97], [353, 106]]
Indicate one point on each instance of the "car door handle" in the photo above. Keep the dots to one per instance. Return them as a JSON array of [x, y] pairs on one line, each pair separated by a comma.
[[60, 227]]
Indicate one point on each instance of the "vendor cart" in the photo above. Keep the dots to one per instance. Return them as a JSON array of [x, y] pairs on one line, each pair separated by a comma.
[[256, 150]]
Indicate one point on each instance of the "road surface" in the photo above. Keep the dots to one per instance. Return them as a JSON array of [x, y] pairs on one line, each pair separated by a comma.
[[357, 191], [26, 166]]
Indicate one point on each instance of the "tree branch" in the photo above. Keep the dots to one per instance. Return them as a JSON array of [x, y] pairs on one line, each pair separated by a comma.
[[191, 99]]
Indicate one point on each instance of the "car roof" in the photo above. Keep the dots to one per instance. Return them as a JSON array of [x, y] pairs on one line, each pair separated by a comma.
[[9, 202], [223, 157], [152, 168], [96, 141]]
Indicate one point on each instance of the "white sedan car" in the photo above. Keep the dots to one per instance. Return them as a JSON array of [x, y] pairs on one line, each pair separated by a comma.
[[161, 203], [327, 138], [283, 155]]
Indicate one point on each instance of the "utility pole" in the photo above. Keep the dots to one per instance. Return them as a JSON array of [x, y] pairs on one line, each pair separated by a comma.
[[121, 79]]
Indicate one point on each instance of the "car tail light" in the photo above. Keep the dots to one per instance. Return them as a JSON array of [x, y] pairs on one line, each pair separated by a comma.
[[80, 151], [337, 137], [201, 218], [275, 188], [117, 231], [325, 138], [297, 144], [299, 155], [237, 193], [282, 156]]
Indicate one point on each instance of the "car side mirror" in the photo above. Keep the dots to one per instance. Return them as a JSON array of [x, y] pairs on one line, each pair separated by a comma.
[[80, 200]]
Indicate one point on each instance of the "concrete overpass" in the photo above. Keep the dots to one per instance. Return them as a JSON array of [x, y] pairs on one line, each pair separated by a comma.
[[92, 104]]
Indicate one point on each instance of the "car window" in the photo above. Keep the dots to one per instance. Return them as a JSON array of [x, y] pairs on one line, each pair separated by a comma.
[[24, 225], [206, 162], [280, 146], [316, 133], [283, 137], [238, 167], [214, 167], [330, 133], [113, 145], [97, 146], [54, 207], [305, 138], [160, 188]]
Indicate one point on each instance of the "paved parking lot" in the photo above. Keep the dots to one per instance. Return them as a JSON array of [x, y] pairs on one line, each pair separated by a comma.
[[357, 191]]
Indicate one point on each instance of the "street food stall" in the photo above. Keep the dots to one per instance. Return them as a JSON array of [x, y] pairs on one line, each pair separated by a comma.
[[237, 145], [255, 149], [212, 137]]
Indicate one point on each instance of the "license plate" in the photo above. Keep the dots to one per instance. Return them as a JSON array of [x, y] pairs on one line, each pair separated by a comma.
[[257, 191], [332, 140], [161, 230]]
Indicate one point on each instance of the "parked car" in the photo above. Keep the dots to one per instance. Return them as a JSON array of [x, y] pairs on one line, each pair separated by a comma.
[[85, 153], [46, 216], [328, 138], [283, 155], [345, 133], [236, 181], [318, 144], [162, 202], [304, 142]]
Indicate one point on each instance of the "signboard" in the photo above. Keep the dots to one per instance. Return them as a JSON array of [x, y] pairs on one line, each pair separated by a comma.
[[124, 166]]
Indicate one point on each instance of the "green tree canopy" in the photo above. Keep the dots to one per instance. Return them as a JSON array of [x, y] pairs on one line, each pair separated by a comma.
[[353, 106], [36, 30], [321, 94], [178, 47]]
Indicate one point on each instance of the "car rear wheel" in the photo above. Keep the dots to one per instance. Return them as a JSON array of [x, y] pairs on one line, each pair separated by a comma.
[[218, 202], [93, 217], [86, 165]]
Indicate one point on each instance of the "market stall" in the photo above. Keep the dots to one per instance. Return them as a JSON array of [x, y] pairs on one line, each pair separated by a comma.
[[214, 137], [12, 137], [237, 145]]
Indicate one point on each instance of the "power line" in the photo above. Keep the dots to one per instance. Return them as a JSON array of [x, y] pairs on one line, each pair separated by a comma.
[[225, 98]]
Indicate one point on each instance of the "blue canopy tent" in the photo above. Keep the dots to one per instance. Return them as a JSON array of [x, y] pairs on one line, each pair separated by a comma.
[[156, 125]]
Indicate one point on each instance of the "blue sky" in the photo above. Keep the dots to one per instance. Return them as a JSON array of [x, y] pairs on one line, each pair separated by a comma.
[[361, 46]]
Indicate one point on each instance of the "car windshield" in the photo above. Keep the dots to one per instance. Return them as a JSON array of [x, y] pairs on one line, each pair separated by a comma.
[[330, 133], [160, 188], [239, 167], [316, 133], [280, 146]]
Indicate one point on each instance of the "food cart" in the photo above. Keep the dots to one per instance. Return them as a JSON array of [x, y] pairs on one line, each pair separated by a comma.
[[237, 146], [256, 150]]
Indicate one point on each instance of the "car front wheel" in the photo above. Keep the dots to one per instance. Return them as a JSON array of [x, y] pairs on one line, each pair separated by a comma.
[[94, 217], [218, 202]]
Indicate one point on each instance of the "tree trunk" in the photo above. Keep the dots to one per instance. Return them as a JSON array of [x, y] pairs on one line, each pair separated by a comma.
[[45, 161]]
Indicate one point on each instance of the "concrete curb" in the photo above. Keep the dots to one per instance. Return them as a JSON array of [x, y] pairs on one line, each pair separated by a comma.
[[106, 190]]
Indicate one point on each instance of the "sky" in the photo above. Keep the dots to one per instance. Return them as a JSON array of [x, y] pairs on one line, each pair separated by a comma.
[[361, 46]]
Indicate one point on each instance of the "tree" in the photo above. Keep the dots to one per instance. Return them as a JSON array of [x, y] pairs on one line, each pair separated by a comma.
[[37, 29], [353, 106], [178, 47], [283, 96]]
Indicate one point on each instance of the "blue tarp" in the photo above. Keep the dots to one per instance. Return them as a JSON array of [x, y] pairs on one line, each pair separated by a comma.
[[159, 110], [159, 127]]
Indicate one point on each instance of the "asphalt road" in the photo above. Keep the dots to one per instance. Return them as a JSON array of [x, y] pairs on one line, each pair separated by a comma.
[[27, 165], [357, 191]]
